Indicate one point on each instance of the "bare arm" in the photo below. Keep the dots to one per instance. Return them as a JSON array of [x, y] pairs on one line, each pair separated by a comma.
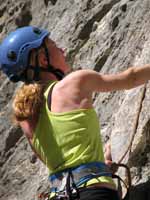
[[130, 78], [79, 86], [27, 129]]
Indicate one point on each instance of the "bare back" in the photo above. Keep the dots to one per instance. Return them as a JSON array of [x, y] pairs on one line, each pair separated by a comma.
[[70, 94]]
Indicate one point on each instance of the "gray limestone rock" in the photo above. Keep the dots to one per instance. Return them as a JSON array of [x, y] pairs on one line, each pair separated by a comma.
[[104, 35]]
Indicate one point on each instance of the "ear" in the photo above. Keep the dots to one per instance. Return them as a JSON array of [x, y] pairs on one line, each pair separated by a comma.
[[43, 59]]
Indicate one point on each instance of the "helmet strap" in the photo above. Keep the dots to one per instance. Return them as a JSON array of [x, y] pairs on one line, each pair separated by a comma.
[[36, 69], [50, 68]]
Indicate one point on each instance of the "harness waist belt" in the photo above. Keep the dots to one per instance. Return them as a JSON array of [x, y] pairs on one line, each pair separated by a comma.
[[78, 175]]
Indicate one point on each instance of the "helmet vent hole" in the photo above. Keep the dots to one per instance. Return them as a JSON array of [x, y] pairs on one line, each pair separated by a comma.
[[12, 55], [36, 30]]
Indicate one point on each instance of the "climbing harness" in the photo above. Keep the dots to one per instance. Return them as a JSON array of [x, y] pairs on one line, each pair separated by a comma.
[[79, 175], [71, 179], [66, 185]]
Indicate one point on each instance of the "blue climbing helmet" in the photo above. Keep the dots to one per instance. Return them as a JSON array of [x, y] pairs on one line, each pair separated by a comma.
[[15, 50]]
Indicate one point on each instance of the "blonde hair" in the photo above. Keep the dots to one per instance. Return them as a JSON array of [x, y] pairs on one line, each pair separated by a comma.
[[27, 101]]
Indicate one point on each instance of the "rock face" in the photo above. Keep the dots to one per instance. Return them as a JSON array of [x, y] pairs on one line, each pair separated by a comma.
[[104, 35]]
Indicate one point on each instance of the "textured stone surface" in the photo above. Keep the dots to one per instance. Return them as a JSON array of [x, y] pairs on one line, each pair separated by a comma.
[[107, 36]]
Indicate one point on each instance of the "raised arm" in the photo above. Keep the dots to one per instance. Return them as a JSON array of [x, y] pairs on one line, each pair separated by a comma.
[[130, 78], [79, 86]]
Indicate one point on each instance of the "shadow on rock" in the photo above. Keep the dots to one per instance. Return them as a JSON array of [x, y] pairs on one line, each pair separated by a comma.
[[140, 192]]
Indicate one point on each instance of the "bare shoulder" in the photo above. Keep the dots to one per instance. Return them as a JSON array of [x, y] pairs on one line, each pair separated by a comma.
[[74, 83], [70, 93], [75, 79]]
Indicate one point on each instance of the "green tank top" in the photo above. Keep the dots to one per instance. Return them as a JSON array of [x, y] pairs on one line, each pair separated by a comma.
[[68, 139]]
